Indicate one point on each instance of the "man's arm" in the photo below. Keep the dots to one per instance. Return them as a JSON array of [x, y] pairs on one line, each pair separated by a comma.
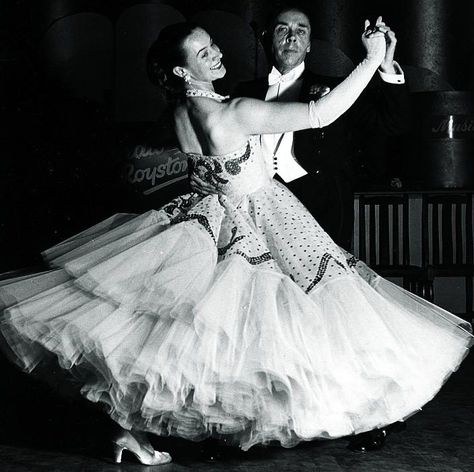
[[385, 108], [388, 66]]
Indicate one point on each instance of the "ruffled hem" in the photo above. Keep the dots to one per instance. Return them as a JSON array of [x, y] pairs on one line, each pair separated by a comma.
[[234, 349], [235, 317]]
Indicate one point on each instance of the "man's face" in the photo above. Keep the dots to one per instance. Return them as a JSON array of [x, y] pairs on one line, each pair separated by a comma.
[[291, 40]]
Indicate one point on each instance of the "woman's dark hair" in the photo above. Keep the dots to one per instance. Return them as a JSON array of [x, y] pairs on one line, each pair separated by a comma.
[[166, 53]]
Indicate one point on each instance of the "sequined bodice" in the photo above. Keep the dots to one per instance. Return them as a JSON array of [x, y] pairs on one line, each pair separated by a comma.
[[234, 174]]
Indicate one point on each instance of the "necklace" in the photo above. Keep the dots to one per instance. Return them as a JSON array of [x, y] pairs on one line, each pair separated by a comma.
[[205, 93]]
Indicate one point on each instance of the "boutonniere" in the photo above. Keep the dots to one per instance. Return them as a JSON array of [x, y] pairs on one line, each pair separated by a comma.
[[317, 91]]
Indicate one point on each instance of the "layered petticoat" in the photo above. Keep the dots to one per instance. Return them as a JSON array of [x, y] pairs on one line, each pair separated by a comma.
[[235, 317]]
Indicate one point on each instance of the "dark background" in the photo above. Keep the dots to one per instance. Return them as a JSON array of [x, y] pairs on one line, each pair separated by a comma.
[[75, 99], [75, 102]]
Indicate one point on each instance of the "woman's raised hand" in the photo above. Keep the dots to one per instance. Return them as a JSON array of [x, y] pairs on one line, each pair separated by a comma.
[[374, 42]]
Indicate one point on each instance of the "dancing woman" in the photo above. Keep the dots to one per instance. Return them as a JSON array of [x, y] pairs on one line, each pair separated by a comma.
[[232, 315]]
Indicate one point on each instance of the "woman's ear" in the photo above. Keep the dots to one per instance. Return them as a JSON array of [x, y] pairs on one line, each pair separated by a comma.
[[179, 71]]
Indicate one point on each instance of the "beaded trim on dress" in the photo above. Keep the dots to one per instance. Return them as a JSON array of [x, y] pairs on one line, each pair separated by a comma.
[[205, 93]]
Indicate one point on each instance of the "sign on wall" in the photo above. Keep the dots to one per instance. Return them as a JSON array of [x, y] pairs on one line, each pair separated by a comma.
[[153, 169]]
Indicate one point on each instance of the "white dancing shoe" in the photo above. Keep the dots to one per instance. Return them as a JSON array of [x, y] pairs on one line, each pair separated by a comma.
[[146, 456]]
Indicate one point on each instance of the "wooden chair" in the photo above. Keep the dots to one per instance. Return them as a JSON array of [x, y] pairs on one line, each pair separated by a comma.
[[384, 240], [447, 234]]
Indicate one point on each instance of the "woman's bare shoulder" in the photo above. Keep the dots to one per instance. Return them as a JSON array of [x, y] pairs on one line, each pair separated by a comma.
[[244, 101], [245, 108]]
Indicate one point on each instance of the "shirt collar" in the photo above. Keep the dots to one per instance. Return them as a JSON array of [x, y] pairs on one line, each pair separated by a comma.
[[275, 77]]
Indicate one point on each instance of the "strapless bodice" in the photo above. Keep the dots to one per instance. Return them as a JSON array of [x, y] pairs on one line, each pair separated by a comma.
[[234, 174]]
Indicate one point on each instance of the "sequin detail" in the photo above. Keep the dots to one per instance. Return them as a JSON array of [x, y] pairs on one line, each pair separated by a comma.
[[322, 270], [273, 228], [352, 261], [265, 257], [179, 206], [200, 219], [222, 250], [211, 174], [232, 166]]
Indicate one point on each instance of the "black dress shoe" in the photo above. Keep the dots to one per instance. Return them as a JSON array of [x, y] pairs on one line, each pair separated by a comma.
[[369, 441], [212, 456], [212, 451], [375, 439]]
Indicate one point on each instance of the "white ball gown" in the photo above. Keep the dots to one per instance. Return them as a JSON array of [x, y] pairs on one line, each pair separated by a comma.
[[233, 315]]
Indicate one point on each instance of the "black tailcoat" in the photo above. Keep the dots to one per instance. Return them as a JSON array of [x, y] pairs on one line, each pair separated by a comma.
[[326, 153]]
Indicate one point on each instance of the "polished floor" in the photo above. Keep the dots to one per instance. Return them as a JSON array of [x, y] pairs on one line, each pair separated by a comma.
[[40, 431]]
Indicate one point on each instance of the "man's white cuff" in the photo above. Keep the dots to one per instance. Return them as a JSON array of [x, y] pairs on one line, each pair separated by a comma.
[[397, 78]]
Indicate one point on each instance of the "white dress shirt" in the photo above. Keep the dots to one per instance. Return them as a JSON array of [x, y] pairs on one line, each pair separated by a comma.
[[286, 88]]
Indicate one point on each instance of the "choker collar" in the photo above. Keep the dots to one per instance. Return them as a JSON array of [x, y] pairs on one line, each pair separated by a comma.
[[205, 93]]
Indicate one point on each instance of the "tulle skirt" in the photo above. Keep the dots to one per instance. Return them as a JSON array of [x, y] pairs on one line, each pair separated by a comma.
[[239, 319]]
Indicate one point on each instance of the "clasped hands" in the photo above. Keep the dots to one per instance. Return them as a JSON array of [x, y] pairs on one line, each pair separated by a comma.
[[380, 29]]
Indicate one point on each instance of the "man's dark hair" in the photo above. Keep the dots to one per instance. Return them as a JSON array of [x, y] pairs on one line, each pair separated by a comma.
[[266, 38], [287, 6]]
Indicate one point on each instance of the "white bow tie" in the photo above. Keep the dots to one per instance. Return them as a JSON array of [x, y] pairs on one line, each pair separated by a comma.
[[275, 77]]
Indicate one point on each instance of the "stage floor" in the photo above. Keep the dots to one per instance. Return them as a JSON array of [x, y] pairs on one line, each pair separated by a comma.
[[56, 434]]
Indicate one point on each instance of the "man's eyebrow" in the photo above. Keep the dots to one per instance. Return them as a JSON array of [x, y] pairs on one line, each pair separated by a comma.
[[284, 23]]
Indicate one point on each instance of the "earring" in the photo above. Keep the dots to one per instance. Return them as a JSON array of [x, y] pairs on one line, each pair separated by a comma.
[[187, 78]]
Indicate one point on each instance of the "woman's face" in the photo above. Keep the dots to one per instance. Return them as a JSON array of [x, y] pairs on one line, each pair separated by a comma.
[[203, 57]]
